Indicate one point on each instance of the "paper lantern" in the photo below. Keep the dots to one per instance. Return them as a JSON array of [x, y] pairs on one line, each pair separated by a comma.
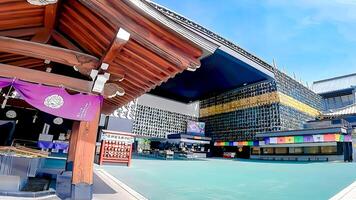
[[298, 139], [347, 138], [267, 140], [273, 140], [235, 144], [329, 138], [240, 144], [281, 140], [261, 143], [289, 140], [342, 138], [250, 143], [308, 138], [318, 138]]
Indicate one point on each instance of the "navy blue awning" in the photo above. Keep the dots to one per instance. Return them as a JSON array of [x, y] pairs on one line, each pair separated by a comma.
[[218, 73]]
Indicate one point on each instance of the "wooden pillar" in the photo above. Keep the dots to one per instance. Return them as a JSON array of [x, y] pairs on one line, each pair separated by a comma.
[[72, 144], [81, 153]]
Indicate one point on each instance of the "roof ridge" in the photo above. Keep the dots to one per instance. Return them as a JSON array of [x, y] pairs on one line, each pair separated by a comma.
[[335, 78], [334, 111]]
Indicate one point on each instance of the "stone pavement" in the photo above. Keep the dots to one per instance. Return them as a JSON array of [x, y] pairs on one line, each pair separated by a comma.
[[121, 191], [349, 193]]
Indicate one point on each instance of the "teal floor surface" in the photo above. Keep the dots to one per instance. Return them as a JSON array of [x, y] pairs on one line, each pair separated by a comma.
[[232, 179]]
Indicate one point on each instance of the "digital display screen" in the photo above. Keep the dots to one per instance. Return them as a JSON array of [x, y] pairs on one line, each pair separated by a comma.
[[197, 128]]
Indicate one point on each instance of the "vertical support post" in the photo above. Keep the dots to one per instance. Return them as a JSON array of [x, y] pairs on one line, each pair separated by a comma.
[[354, 94], [82, 153], [72, 144], [130, 155], [102, 151]]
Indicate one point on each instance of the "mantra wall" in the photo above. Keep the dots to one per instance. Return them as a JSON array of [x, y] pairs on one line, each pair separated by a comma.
[[157, 117], [280, 104]]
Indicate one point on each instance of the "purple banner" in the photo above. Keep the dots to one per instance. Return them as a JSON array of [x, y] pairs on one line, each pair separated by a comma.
[[56, 101], [45, 144], [5, 82], [61, 145]]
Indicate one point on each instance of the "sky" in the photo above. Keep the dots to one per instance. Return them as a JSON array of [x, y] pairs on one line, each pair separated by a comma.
[[311, 39]]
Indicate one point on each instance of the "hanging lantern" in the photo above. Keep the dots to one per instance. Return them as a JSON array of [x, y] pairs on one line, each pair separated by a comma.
[[58, 121], [41, 2], [11, 114]]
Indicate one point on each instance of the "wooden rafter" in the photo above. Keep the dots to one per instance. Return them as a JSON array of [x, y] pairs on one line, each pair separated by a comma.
[[118, 43], [35, 76], [83, 62], [63, 41], [50, 15], [151, 41], [122, 37], [22, 32], [19, 103]]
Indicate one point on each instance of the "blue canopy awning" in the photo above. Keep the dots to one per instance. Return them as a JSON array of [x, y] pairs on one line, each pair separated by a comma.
[[218, 73]]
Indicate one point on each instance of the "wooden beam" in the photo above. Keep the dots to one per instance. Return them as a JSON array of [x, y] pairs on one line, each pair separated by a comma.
[[45, 78], [122, 37], [167, 49], [118, 43], [18, 103], [83, 62], [85, 134], [22, 32], [63, 41], [50, 16]]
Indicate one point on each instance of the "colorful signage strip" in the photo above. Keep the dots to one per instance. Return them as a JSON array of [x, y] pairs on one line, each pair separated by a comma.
[[290, 140]]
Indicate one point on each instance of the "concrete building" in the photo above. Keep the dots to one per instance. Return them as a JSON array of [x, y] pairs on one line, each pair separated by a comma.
[[337, 92]]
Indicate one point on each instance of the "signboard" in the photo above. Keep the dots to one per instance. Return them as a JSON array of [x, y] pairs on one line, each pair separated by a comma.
[[119, 138], [116, 148]]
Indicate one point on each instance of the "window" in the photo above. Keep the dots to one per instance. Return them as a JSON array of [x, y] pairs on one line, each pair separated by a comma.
[[281, 150], [256, 151], [328, 150], [347, 100], [295, 150], [268, 151], [339, 102], [330, 103], [311, 150]]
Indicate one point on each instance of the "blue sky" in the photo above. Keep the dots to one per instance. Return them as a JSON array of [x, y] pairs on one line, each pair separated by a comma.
[[314, 39]]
